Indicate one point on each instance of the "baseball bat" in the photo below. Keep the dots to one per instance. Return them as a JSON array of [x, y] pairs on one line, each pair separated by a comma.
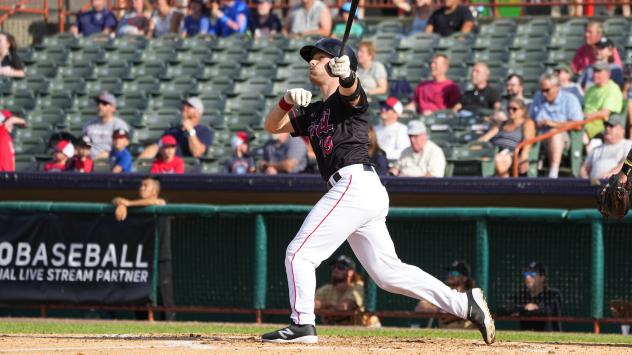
[[352, 11]]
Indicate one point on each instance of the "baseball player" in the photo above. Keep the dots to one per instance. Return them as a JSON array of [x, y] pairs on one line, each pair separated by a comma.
[[614, 199], [356, 205]]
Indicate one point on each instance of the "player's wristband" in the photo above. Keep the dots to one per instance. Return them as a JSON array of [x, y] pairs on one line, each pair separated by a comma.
[[627, 167], [348, 81], [283, 105], [355, 94]]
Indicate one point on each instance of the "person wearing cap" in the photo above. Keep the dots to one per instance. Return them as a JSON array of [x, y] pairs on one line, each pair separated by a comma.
[[608, 158], [564, 74], [64, 150], [420, 9], [264, 23], [344, 293], [230, 16], [241, 162], [586, 54], [120, 157], [192, 138], [601, 100], [309, 17], [99, 19], [283, 154], [423, 157], [450, 18], [167, 161], [371, 72], [535, 299], [100, 129], [195, 23], [7, 153], [458, 278], [605, 53], [552, 108], [440, 93], [481, 96], [392, 135], [357, 29], [81, 162]]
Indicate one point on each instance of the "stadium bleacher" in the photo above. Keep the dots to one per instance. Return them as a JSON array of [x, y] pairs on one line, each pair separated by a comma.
[[239, 79]]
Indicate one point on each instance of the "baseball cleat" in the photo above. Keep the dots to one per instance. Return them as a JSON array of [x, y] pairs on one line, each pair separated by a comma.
[[478, 313], [293, 333]]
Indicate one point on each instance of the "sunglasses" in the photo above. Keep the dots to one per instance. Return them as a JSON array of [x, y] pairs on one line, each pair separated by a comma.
[[454, 273], [103, 103], [529, 274], [544, 91], [514, 109]]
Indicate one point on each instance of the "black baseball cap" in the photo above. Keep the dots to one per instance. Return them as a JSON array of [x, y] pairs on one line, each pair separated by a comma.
[[119, 133], [604, 43], [459, 266], [84, 141], [535, 266], [344, 262]]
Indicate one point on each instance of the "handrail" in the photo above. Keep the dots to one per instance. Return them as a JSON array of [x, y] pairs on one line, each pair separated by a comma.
[[567, 127], [13, 10], [21, 6]]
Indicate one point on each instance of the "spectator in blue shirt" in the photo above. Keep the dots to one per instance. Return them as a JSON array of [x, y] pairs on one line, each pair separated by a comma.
[[195, 23], [97, 20], [120, 157], [231, 16]]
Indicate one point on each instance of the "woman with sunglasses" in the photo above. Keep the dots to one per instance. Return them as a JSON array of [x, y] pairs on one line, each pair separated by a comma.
[[508, 134]]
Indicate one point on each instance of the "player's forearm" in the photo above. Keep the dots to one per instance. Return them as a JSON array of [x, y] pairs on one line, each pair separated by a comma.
[[196, 147], [146, 202], [277, 120]]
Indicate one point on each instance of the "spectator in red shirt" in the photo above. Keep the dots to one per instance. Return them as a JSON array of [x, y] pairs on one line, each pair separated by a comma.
[[7, 153], [440, 93], [167, 161], [586, 55], [81, 162], [64, 150]]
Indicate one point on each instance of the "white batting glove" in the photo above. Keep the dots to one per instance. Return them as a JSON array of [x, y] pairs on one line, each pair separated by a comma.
[[298, 96], [340, 66]]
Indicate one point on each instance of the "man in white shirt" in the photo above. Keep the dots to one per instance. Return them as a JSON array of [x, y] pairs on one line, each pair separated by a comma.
[[423, 157], [607, 159], [392, 136]]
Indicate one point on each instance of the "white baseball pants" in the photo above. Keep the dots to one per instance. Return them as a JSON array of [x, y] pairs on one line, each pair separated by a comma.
[[355, 209]]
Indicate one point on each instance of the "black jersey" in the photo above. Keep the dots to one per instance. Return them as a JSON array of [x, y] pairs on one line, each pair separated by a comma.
[[337, 131]]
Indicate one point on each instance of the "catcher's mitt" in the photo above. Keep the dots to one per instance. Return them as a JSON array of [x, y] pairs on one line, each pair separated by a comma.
[[614, 199]]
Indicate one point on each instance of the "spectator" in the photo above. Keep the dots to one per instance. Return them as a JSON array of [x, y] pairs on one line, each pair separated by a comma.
[[11, 64], [344, 293], [283, 154], [166, 19], [101, 129], [311, 17], [371, 73], [421, 9], [514, 86], [482, 96], [81, 162], [377, 157], [7, 153], [553, 108], [241, 162], [149, 193], [193, 139], [458, 279], [423, 157], [120, 157], [564, 74], [167, 162], [586, 54], [506, 135], [98, 20], [536, 299], [263, 23], [607, 159], [440, 93], [450, 18], [604, 49], [601, 100], [357, 30], [231, 16], [392, 135], [64, 150], [196, 22], [135, 21]]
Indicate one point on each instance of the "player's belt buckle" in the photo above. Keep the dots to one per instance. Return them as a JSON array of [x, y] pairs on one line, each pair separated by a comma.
[[336, 176]]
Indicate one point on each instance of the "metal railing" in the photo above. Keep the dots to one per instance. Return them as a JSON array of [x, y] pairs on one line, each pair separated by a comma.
[[12, 7]]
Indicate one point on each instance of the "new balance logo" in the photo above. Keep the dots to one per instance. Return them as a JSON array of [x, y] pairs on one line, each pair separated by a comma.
[[286, 333]]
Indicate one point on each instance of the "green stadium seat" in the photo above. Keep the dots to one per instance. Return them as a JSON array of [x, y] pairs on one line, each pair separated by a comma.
[[617, 29], [129, 42], [155, 68], [458, 70], [568, 41], [265, 56], [142, 166], [126, 55], [460, 54], [74, 85], [26, 54], [456, 40], [133, 100], [229, 70], [217, 86], [490, 42], [260, 70], [530, 43], [59, 99], [418, 41], [161, 118], [214, 118], [290, 58], [94, 41], [192, 165], [262, 43], [191, 69], [213, 101], [64, 39], [212, 167], [259, 85], [145, 84], [233, 55], [28, 146], [57, 55], [88, 55], [37, 84], [572, 27], [539, 27], [419, 55], [390, 26], [245, 103], [5, 85], [492, 55], [113, 69], [102, 165], [198, 42], [184, 85], [413, 72], [46, 69], [498, 28], [47, 117], [196, 55], [77, 70], [170, 41], [230, 43], [130, 115], [291, 71], [244, 120], [20, 100], [25, 163], [164, 55], [473, 159], [528, 56], [169, 101], [113, 85]]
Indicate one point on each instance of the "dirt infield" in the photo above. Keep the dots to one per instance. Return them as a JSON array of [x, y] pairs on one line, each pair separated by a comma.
[[249, 344]]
